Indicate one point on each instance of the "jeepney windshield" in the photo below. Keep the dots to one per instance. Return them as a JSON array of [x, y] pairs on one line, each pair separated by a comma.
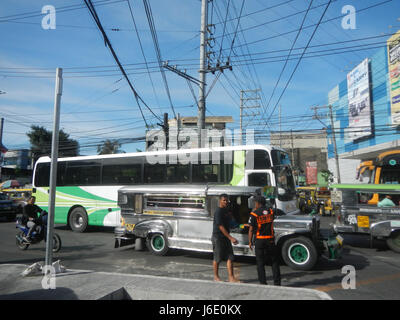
[[285, 181], [390, 175]]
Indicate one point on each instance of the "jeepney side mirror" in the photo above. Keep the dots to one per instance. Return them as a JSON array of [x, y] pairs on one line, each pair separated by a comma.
[[281, 191], [251, 202]]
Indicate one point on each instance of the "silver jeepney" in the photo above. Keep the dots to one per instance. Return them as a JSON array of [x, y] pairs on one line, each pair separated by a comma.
[[356, 215], [181, 217]]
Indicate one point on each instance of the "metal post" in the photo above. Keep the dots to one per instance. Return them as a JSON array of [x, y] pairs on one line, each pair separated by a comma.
[[53, 168], [241, 117], [1, 144], [202, 70], [334, 143], [1, 130]]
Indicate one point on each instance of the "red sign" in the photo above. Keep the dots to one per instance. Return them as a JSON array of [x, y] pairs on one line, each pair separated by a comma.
[[311, 172]]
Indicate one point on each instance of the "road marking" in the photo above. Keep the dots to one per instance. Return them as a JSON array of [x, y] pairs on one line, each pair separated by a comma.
[[360, 283]]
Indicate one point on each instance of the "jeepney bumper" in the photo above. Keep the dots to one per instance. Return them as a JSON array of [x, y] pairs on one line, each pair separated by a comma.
[[123, 238], [341, 228], [333, 247]]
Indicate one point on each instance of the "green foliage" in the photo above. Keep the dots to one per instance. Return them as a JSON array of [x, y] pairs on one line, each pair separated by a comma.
[[40, 139], [109, 147]]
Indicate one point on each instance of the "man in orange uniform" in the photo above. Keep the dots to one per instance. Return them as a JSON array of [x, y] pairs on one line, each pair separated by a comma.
[[261, 224]]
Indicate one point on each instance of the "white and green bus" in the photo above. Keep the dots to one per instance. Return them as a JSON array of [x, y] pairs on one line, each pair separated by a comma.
[[87, 186]]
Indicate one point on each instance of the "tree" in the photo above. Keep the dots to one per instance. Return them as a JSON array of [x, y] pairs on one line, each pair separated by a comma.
[[40, 139], [109, 147]]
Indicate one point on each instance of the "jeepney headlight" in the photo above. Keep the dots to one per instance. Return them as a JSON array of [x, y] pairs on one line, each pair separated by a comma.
[[122, 220]]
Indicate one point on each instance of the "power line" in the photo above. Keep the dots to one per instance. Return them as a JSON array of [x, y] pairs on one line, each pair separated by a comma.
[[298, 62], [98, 23], [150, 20]]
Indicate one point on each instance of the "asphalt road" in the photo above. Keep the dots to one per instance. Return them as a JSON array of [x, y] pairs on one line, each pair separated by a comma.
[[377, 269]]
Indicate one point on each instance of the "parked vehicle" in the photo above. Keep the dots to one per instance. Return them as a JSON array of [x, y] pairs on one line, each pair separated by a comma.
[[36, 236], [18, 196], [314, 200], [181, 217], [7, 208], [384, 169], [357, 215]]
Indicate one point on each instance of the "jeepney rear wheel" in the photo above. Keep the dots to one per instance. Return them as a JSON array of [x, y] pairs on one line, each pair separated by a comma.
[[157, 244], [393, 241], [299, 253]]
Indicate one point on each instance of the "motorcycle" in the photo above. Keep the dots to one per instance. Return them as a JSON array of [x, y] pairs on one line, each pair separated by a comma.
[[37, 235]]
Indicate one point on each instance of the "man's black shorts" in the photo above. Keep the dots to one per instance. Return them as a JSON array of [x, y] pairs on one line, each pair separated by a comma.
[[222, 249]]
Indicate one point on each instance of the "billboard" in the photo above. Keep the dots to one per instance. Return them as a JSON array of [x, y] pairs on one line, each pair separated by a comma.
[[393, 49], [359, 101]]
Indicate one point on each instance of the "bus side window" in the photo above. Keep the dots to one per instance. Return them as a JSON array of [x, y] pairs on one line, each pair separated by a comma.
[[177, 173], [154, 173], [257, 159], [259, 179]]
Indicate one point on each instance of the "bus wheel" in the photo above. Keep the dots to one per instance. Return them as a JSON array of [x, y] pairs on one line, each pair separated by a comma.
[[157, 244], [78, 220], [393, 241], [299, 253]]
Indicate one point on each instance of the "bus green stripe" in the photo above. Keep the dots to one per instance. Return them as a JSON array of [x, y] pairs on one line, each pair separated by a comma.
[[238, 167]]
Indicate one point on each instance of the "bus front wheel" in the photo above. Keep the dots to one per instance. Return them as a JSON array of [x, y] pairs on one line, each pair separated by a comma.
[[78, 220]]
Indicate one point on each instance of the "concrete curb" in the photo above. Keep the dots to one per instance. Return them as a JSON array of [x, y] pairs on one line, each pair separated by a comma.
[[89, 285]]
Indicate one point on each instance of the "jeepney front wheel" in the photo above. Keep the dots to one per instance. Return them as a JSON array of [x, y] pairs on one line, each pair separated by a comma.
[[299, 253], [157, 244], [393, 241]]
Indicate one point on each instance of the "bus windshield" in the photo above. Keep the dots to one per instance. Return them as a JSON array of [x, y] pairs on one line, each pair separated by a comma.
[[285, 183]]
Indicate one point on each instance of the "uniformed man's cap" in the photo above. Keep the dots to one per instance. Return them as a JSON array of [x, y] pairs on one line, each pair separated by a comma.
[[261, 200]]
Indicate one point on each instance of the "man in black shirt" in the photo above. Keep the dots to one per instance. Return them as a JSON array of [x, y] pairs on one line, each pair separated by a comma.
[[261, 224], [30, 213], [222, 240]]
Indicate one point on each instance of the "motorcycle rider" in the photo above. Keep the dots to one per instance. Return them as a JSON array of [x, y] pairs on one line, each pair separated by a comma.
[[30, 213]]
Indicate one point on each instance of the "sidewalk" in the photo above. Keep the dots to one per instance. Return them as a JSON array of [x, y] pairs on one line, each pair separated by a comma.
[[89, 285]]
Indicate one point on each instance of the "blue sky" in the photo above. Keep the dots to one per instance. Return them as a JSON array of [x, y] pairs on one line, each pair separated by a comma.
[[97, 102]]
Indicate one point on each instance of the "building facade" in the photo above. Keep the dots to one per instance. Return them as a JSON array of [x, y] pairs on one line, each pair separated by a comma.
[[305, 148], [366, 111]]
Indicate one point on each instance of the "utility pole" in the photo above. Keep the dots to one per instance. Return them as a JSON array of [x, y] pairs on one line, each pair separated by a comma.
[[292, 146], [243, 105], [166, 130], [333, 135], [202, 71], [334, 143], [280, 126], [1, 146], [53, 168]]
